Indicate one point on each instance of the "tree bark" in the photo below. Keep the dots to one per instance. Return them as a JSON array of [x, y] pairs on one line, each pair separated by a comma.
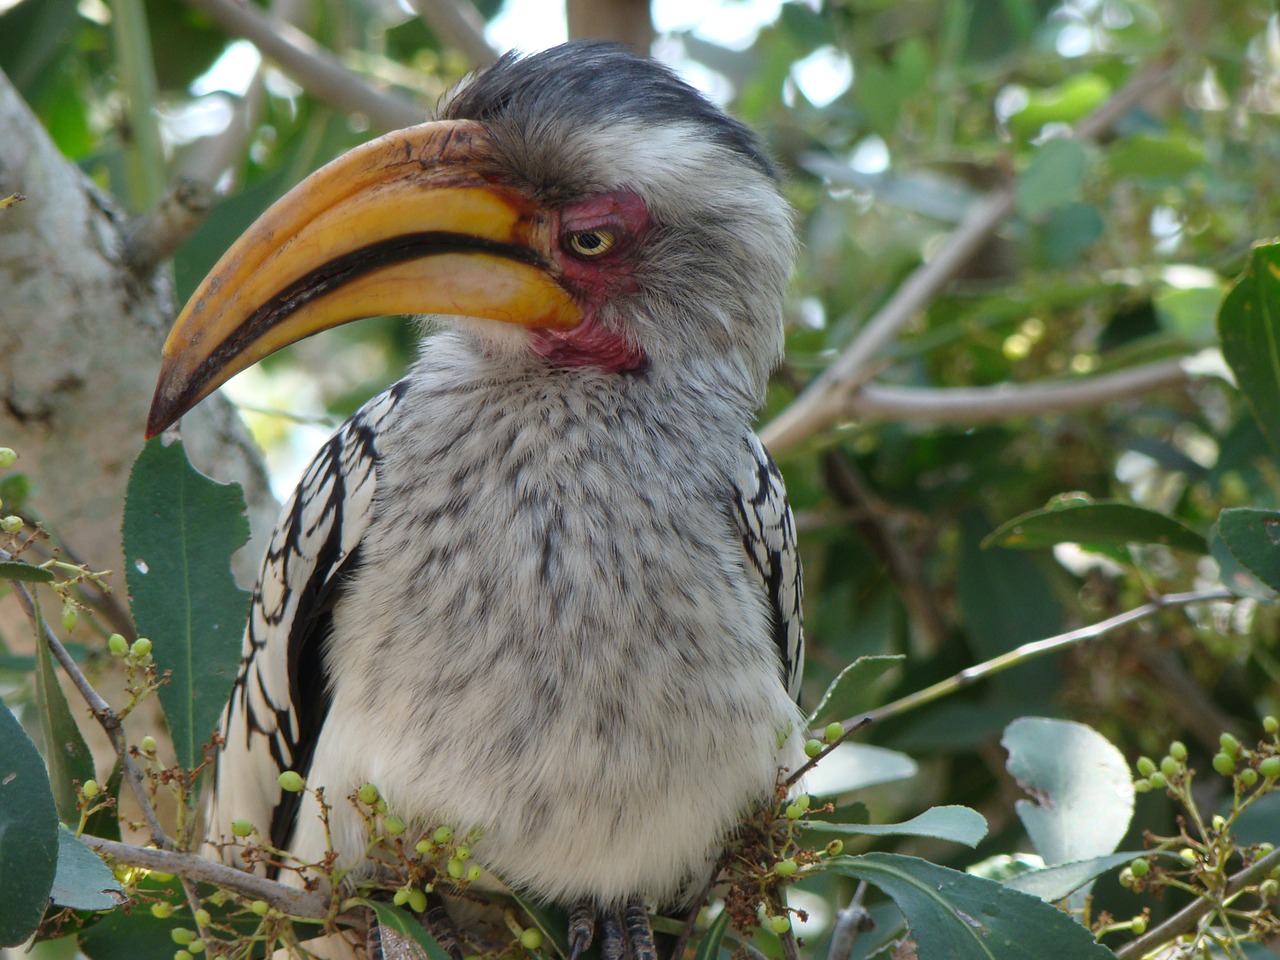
[[626, 21]]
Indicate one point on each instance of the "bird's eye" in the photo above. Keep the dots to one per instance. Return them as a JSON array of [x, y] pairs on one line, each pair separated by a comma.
[[591, 243]]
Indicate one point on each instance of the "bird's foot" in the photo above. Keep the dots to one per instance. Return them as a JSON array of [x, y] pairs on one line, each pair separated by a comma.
[[625, 932]]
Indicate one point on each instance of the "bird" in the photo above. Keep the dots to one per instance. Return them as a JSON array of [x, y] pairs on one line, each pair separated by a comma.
[[545, 589]]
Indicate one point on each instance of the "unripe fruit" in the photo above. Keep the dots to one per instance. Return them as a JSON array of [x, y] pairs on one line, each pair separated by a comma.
[[241, 828], [1248, 776], [442, 835], [417, 901], [834, 731], [1230, 745], [1268, 889], [1270, 724], [1265, 848], [1157, 781], [141, 648], [183, 955], [70, 617], [1139, 868], [794, 811], [160, 876], [1224, 764], [1270, 767], [162, 911], [90, 789], [260, 907], [368, 794], [401, 897], [7, 457], [779, 924], [1187, 854], [182, 936], [1139, 926], [803, 801], [291, 781], [1178, 750], [835, 848], [1142, 786], [462, 852], [785, 868], [148, 744], [812, 748], [196, 946], [474, 873], [1219, 823], [1170, 767], [202, 917], [393, 825], [455, 868], [11, 524], [118, 645], [1126, 877], [1146, 766], [531, 938], [425, 848]]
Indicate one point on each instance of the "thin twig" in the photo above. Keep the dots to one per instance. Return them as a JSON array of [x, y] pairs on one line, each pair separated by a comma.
[[850, 922], [290, 900], [458, 25], [1186, 918], [101, 710], [826, 399], [314, 68]]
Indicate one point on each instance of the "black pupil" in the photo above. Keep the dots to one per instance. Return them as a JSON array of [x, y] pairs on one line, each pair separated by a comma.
[[590, 241]]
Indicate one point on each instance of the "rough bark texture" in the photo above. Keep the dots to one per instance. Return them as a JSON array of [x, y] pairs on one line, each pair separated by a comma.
[[80, 341], [627, 21]]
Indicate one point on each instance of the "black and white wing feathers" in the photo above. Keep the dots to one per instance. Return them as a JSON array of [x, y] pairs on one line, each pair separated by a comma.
[[769, 539]]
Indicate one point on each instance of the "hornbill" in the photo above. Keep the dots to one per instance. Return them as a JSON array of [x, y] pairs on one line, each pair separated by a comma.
[[545, 588]]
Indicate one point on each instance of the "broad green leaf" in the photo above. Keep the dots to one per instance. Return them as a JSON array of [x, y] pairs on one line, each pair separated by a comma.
[[66, 754], [1154, 156], [1065, 103], [954, 916], [28, 833], [856, 766], [709, 946], [1061, 880], [1249, 329], [1081, 783], [848, 694], [1053, 179], [955, 823], [1253, 539], [1236, 577], [180, 530], [391, 917], [83, 881], [17, 570], [1094, 522]]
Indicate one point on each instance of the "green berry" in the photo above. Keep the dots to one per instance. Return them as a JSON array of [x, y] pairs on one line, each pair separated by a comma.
[[474, 873], [1268, 889], [455, 868], [162, 911], [1224, 764], [1178, 750], [241, 828], [424, 848], [417, 901], [1146, 766], [203, 918], [118, 645], [1126, 878], [1187, 854], [7, 457], [260, 907], [90, 789], [794, 811], [442, 835], [1270, 724], [148, 744], [834, 731], [141, 648], [1230, 745], [183, 955], [182, 936], [70, 616], [196, 946], [1265, 848], [160, 876], [393, 825], [812, 748], [1142, 786], [803, 801], [531, 938], [401, 897], [1157, 781], [368, 794], [462, 852], [785, 868], [11, 524], [1138, 926], [1170, 767], [835, 848], [1139, 868], [1270, 767], [291, 781], [779, 924]]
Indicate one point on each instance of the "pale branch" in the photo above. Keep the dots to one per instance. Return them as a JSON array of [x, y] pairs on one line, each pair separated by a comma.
[[152, 237], [969, 405], [851, 921], [100, 709], [314, 68], [459, 26], [313, 905], [826, 399], [1190, 915], [1019, 655]]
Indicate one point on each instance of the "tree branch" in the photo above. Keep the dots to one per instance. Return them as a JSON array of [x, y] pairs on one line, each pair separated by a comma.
[[317, 70], [152, 237], [828, 397], [458, 25]]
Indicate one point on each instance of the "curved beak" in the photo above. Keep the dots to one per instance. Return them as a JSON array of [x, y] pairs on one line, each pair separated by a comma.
[[403, 224]]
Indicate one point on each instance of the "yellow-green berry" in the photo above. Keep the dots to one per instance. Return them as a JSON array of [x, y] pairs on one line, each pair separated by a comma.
[[202, 917], [182, 936], [1230, 745], [160, 876], [794, 811], [1157, 781], [417, 901], [812, 748], [1268, 889], [141, 648], [401, 897], [260, 907], [1170, 767], [1126, 878], [1270, 767], [462, 852], [183, 955], [531, 938], [779, 924], [241, 828], [1142, 786], [835, 848], [148, 744], [1138, 926], [803, 800], [455, 868], [7, 456], [1146, 766], [90, 789], [118, 645], [442, 835], [368, 794], [11, 524], [785, 868], [1224, 764], [70, 616], [1187, 854], [474, 873], [393, 825], [162, 910], [1140, 868], [424, 847], [834, 731], [1178, 750], [291, 781], [1270, 724], [196, 946]]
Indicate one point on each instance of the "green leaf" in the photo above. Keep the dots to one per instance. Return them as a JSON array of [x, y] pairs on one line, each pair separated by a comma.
[[1249, 329], [856, 766], [955, 823], [1081, 783], [1053, 179], [66, 754], [83, 881], [1061, 880], [17, 570], [1253, 539], [28, 833], [849, 692], [180, 530], [709, 947], [1094, 522], [550, 919], [1154, 156], [391, 917], [954, 916], [1070, 101]]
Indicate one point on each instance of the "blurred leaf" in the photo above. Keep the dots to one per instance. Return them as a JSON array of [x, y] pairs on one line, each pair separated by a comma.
[[849, 693], [954, 916], [28, 833], [20, 570], [34, 37], [66, 754], [1094, 521], [1061, 880], [856, 766], [1069, 231], [1253, 539], [391, 917], [955, 823], [1154, 156], [180, 530], [1189, 312], [83, 881], [1081, 785], [806, 27], [709, 946], [1249, 328], [1072, 100], [1236, 577], [1053, 179]]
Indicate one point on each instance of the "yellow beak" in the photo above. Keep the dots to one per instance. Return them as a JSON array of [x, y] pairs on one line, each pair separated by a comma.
[[403, 224]]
